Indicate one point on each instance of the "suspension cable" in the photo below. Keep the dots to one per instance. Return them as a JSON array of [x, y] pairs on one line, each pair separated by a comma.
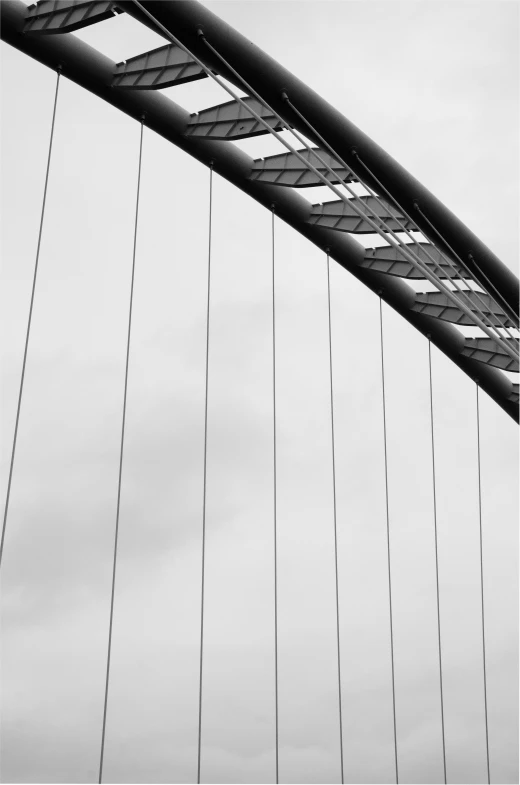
[[121, 451], [472, 305], [436, 558], [199, 747], [416, 262], [482, 584], [333, 445], [275, 508], [388, 534], [29, 321]]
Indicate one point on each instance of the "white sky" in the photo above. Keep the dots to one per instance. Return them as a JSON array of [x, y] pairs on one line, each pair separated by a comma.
[[436, 84]]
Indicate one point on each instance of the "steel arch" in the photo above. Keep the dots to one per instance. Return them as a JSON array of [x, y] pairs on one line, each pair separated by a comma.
[[186, 19]]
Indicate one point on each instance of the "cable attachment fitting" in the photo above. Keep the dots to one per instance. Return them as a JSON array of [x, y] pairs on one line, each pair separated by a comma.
[[353, 151], [59, 69], [212, 164], [285, 97], [273, 207], [200, 33], [143, 117], [416, 205], [380, 292]]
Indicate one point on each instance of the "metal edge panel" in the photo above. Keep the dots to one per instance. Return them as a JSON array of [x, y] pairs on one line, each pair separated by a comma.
[[93, 71], [393, 257], [69, 18]]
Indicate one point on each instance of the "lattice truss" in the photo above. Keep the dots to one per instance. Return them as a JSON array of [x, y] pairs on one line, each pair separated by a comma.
[[487, 328]]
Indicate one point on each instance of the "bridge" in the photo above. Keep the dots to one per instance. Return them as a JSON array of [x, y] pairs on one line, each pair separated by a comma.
[[297, 452]]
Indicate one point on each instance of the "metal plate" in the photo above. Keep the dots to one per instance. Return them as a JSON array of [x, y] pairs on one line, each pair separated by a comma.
[[287, 169], [438, 305], [163, 67], [485, 350], [231, 121], [342, 217], [65, 16], [390, 260]]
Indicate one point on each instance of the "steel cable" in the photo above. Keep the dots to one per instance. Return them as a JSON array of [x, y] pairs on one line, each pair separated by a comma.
[[434, 486], [388, 535], [333, 446], [416, 262], [29, 321], [121, 452], [482, 585], [204, 490], [275, 509]]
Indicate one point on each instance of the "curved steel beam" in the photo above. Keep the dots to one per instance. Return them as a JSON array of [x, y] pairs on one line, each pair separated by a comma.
[[185, 18], [93, 71]]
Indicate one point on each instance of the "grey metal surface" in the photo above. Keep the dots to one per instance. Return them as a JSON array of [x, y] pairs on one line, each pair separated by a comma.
[[64, 16], [163, 67], [390, 260], [93, 71], [342, 217], [486, 351], [230, 121], [287, 169], [438, 305]]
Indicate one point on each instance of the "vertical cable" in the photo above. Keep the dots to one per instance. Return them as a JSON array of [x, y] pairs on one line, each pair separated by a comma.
[[29, 321], [116, 535], [205, 476], [388, 536], [274, 510], [335, 521], [482, 587], [436, 557]]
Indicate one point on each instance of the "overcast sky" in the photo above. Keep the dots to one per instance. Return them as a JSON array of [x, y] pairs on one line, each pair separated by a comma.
[[436, 84]]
